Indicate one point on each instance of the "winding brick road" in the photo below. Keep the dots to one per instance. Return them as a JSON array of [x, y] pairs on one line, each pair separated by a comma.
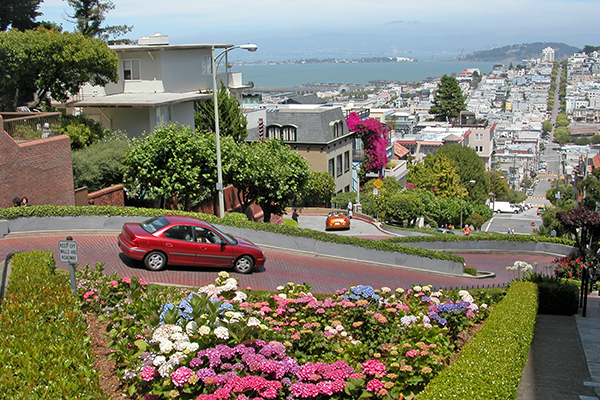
[[325, 274]]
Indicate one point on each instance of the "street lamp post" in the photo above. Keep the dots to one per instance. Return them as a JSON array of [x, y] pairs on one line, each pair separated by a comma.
[[461, 203], [249, 47]]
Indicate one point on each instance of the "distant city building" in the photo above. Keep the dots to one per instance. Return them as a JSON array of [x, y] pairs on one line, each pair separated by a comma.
[[548, 55]]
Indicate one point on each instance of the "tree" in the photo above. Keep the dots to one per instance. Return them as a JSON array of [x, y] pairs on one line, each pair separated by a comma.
[[404, 206], [318, 190], [583, 224], [547, 126], [50, 64], [469, 166], [173, 164], [19, 14], [232, 121], [566, 194], [448, 100], [89, 16], [374, 138], [562, 135], [437, 175], [562, 120], [269, 173]]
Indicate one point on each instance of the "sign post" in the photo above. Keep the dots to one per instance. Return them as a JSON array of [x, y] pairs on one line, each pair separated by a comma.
[[68, 253]]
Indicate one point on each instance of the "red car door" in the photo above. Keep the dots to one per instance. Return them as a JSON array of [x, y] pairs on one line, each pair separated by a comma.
[[179, 244], [212, 250]]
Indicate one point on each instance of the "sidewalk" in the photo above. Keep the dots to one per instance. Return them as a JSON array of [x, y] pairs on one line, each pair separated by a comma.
[[564, 358]]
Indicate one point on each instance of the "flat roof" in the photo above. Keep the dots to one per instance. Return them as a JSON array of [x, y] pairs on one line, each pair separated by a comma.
[[140, 99]]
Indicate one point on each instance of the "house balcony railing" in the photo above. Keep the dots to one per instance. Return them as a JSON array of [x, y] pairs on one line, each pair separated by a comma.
[[30, 125]]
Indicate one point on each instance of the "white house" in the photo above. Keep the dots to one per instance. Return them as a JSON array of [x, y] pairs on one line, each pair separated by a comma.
[[158, 83]]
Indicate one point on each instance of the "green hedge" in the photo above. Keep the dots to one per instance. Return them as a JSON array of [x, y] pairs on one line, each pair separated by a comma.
[[490, 366], [444, 237], [45, 352], [232, 219]]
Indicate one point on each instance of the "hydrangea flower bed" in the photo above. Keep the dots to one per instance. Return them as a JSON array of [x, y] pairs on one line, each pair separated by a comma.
[[220, 342]]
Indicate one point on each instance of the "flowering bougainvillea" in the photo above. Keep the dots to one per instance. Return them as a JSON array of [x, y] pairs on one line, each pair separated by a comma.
[[374, 138], [570, 267]]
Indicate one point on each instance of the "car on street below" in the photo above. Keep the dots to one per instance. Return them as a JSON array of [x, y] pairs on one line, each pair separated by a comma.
[[182, 240], [337, 220], [444, 230]]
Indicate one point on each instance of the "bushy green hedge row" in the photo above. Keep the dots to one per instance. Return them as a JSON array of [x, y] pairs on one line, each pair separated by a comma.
[[444, 237], [232, 219], [45, 352], [490, 366]]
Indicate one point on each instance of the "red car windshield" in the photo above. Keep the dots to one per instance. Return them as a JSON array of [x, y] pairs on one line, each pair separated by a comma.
[[153, 224]]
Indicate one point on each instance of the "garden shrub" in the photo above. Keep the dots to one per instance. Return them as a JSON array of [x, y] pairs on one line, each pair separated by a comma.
[[490, 366], [99, 165], [45, 352], [558, 298]]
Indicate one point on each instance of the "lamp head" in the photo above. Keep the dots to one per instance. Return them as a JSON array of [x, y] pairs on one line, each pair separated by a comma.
[[250, 47]]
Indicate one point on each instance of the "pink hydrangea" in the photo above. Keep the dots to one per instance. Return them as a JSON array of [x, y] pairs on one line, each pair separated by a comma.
[[374, 385], [373, 367], [181, 375], [148, 373]]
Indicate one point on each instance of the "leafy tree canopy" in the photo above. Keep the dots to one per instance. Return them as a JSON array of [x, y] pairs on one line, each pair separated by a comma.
[[547, 126], [269, 173], [583, 224], [562, 120], [318, 190], [448, 100], [50, 64], [173, 164], [469, 167], [437, 175], [19, 14], [232, 121], [562, 135], [89, 15]]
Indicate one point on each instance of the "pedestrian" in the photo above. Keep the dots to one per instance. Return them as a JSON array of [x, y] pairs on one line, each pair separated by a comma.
[[467, 230], [509, 230], [16, 202], [25, 202], [350, 208], [553, 233], [295, 215]]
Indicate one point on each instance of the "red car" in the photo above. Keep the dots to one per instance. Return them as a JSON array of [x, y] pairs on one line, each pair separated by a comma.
[[337, 220], [180, 240]]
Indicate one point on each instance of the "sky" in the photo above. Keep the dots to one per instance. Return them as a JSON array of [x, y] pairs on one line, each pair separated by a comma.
[[338, 26]]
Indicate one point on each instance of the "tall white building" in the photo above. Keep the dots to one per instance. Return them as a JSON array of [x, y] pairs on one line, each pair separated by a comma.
[[548, 55]]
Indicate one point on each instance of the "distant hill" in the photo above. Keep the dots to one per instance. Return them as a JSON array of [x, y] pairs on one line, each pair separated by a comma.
[[519, 52]]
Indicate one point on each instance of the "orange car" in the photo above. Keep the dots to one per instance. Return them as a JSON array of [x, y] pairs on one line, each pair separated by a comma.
[[337, 220]]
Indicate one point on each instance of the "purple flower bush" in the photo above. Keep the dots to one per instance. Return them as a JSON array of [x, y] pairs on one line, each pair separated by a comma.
[[220, 342]]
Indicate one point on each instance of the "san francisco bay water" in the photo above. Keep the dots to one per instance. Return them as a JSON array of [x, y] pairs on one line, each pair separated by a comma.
[[291, 75]]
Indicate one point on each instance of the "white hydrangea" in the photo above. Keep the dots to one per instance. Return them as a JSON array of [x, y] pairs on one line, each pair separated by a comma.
[[222, 333], [417, 288], [240, 296], [159, 360], [385, 289], [465, 296], [408, 319], [280, 288], [224, 274], [176, 359], [165, 346], [191, 327], [253, 321], [165, 369], [203, 330]]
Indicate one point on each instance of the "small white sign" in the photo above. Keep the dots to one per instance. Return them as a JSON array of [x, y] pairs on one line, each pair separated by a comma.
[[375, 191], [67, 250]]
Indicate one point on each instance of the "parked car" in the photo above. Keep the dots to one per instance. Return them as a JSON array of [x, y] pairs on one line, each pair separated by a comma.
[[444, 230], [337, 220], [181, 240], [541, 210]]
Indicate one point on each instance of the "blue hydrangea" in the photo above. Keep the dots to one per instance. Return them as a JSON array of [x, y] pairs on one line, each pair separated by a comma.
[[362, 292], [165, 308]]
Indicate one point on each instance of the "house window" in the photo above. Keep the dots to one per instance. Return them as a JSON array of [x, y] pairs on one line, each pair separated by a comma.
[[339, 165], [347, 161], [479, 149], [331, 167], [289, 133], [479, 136], [338, 129], [131, 70], [206, 65], [273, 132]]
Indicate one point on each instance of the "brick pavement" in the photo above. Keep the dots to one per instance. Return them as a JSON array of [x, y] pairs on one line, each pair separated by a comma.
[[325, 274]]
